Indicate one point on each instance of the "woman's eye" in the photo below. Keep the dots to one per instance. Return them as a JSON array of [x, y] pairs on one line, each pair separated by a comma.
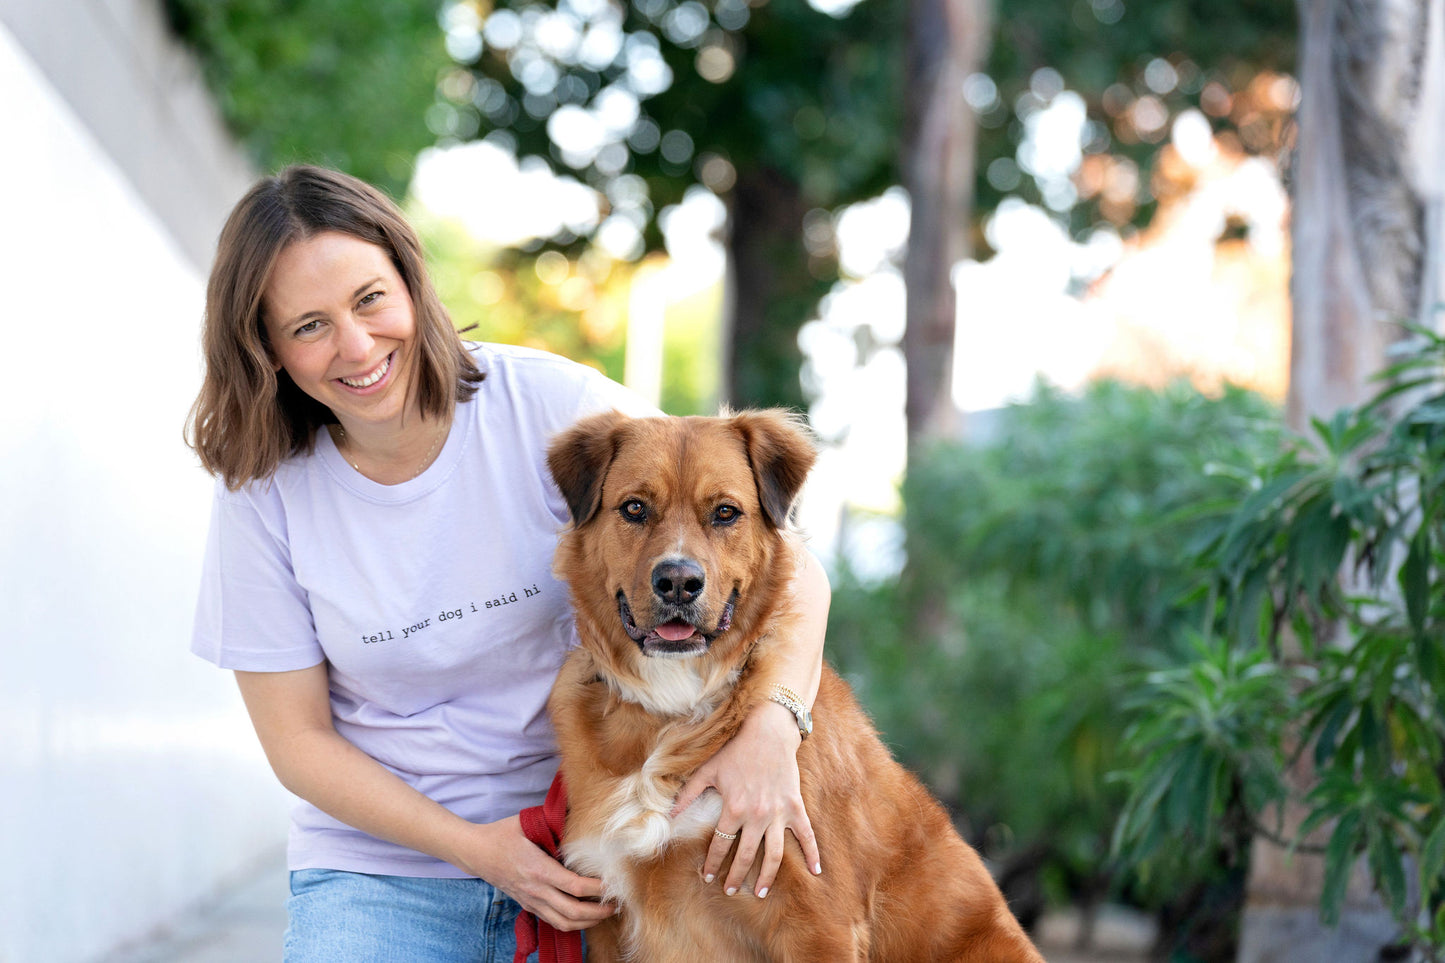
[[309, 326], [634, 511], [725, 514], [369, 299]]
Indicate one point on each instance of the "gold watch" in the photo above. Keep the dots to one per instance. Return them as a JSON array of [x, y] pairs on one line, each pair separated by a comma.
[[791, 701]]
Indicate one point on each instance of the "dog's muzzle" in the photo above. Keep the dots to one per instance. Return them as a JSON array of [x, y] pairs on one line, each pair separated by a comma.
[[676, 634]]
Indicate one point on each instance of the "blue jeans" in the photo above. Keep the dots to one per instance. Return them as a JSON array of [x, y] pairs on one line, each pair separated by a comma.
[[339, 917]]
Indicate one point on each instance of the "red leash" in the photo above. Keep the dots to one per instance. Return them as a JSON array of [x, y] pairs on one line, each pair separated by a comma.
[[543, 826]]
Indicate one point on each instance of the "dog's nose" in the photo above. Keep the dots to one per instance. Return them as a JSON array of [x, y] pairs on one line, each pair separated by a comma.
[[678, 581]]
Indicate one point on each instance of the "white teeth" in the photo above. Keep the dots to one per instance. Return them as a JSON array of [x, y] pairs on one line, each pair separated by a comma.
[[370, 379]]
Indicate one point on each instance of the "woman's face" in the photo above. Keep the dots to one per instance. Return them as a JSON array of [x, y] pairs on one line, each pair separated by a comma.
[[342, 324]]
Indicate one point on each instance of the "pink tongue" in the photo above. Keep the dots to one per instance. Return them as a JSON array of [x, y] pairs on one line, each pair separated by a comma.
[[675, 631]]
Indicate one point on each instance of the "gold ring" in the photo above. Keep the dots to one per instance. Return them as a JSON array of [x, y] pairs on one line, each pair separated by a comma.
[[719, 832]]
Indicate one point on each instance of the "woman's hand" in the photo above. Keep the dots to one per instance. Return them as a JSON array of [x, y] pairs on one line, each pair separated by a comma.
[[510, 861], [756, 773]]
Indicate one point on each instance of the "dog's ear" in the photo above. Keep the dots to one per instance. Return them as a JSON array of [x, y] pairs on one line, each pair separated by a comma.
[[578, 459], [781, 454]]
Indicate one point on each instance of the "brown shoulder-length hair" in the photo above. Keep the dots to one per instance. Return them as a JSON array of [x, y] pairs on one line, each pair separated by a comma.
[[249, 416]]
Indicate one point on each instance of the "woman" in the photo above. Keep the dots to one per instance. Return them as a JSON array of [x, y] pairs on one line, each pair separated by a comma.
[[378, 577]]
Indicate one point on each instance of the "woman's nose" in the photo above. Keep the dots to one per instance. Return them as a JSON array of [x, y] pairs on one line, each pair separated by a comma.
[[355, 340]]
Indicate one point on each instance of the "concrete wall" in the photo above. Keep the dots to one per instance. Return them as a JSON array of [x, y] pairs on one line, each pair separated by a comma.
[[137, 93], [131, 787]]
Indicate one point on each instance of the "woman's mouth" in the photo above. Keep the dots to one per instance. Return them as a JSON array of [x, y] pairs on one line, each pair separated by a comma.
[[371, 377]]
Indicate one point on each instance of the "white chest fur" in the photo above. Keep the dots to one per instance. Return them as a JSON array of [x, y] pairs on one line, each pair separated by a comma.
[[671, 688], [638, 828], [638, 825]]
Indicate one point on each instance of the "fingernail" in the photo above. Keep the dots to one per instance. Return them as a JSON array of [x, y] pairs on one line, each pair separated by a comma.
[[732, 891], [817, 869], [763, 893], [708, 878]]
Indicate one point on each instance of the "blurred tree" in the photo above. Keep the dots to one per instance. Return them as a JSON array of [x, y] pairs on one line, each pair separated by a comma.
[[781, 109], [784, 110], [328, 82], [788, 112], [1136, 67], [947, 44], [1126, 73]]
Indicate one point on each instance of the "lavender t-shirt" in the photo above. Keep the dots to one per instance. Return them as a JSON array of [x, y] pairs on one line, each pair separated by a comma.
[[432, 602]]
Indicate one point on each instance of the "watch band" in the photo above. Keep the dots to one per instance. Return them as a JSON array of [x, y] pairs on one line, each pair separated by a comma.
[[791, 701]]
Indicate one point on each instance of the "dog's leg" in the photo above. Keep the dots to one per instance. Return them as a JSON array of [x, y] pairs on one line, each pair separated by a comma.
[[1003, 944], [604, 942]]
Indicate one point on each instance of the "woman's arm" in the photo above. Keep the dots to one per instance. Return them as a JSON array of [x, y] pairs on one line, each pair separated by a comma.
[[757, 772], [292, 715]]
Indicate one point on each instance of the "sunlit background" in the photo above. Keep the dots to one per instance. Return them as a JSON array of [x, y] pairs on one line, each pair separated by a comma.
[[1048, 301], [712, 202]]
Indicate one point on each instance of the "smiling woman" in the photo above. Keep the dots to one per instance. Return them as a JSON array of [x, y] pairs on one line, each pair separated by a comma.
[[285, 320], [341, 324]]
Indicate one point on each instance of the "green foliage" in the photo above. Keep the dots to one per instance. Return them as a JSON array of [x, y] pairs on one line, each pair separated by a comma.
[[1209, 739], [1057, 547], [333, 82], [1329, 572], [1092, 498]]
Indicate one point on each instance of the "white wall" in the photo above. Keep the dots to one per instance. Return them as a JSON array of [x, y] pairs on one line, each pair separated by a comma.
[[131, 787]]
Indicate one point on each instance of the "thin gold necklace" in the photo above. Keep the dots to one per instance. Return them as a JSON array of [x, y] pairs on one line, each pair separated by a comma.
[[339, 437]]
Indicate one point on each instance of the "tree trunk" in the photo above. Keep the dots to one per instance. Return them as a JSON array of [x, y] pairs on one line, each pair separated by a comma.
[[947, 41], [770, 291], [1357, 221], [1360, 267]]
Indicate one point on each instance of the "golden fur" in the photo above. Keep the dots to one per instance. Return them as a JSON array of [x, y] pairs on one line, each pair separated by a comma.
[[682, 521]]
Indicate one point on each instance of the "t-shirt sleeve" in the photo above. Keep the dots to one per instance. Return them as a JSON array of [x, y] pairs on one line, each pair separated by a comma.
[[252, 615], [603, 394]]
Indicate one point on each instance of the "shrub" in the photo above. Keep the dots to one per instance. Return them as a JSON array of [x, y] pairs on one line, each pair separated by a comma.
[[1055, 552]]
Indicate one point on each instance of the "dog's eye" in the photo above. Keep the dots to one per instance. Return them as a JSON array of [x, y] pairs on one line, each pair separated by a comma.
[[725, 515], [633, 510]]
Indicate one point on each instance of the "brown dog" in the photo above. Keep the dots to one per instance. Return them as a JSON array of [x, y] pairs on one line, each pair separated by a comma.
[[677, 561]]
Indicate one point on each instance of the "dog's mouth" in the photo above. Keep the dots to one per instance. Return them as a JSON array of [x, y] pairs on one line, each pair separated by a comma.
[[677, 637]]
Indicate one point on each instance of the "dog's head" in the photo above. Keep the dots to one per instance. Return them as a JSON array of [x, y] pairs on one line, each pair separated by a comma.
[[677, 524]]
